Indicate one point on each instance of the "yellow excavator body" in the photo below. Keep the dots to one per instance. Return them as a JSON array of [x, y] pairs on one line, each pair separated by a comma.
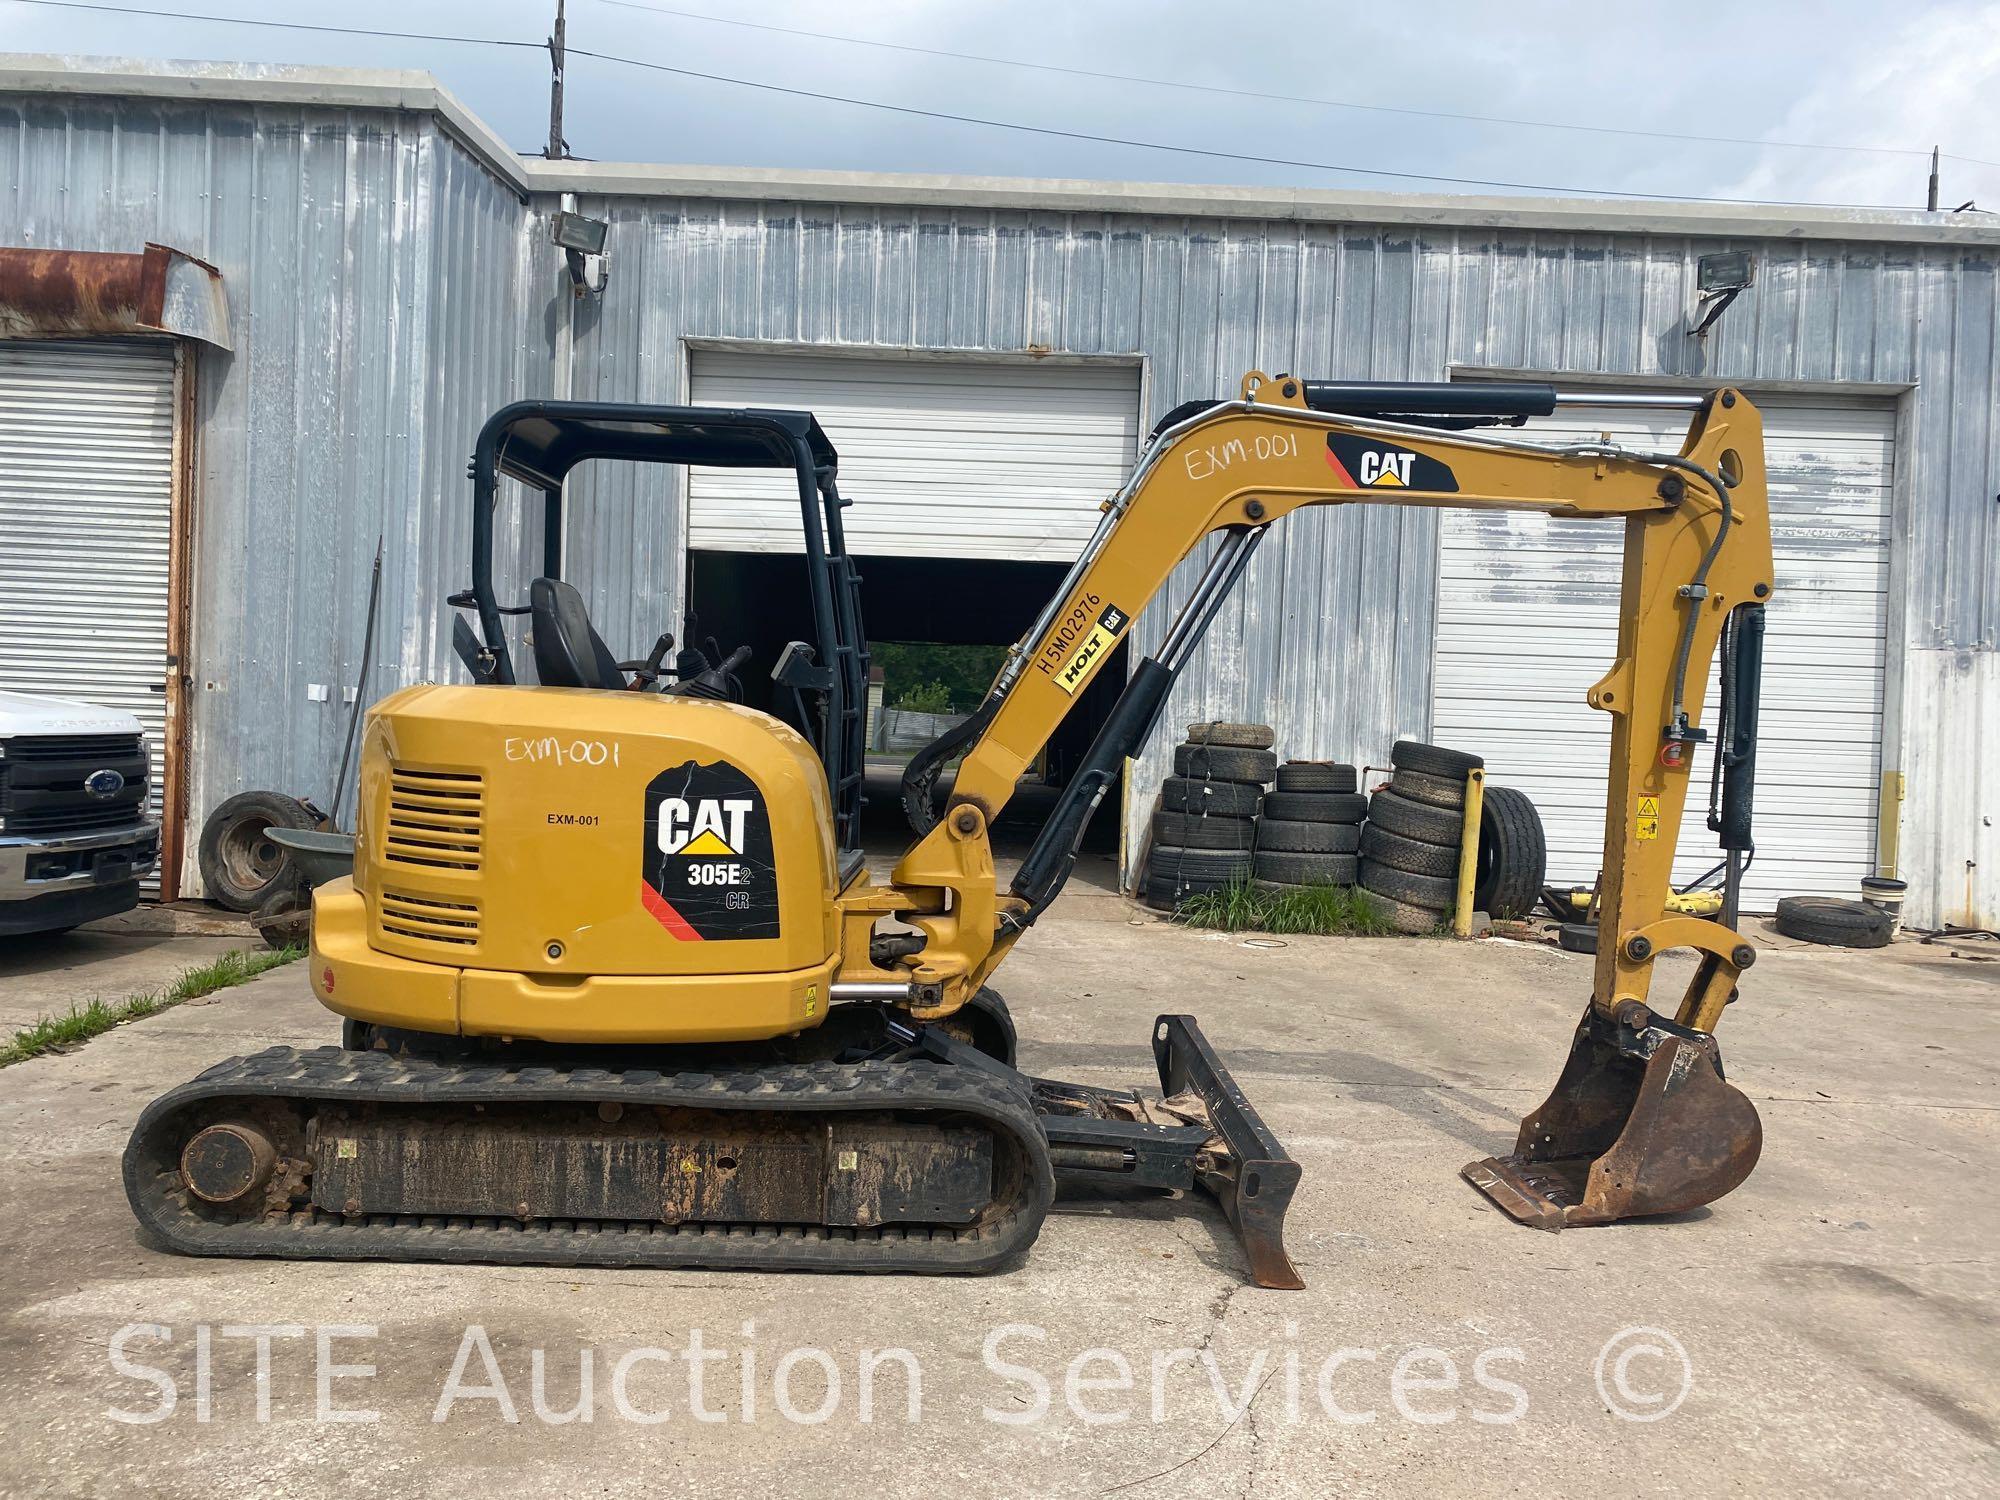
[[617, 988]]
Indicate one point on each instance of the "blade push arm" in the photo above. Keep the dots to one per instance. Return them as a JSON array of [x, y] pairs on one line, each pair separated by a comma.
[[1697, 544]]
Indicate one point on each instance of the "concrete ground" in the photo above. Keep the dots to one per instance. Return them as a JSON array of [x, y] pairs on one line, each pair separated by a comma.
[[1837, 1314], [114, 959]]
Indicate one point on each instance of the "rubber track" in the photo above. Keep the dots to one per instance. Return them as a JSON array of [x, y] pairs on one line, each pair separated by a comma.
[[336, 1076]]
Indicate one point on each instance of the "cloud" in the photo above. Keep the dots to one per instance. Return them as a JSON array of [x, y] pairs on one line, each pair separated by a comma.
[[1936, 81]]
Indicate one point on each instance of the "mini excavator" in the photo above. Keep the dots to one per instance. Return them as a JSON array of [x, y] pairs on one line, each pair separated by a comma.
[[618, 989]]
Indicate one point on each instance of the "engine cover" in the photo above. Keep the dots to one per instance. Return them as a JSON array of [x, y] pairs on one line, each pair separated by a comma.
[[566, 833]]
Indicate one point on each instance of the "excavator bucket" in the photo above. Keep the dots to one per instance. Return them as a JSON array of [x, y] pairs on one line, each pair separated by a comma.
[[1641, 1122]]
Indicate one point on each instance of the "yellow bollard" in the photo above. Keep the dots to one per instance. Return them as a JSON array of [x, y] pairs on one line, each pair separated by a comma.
[[1468, 853]]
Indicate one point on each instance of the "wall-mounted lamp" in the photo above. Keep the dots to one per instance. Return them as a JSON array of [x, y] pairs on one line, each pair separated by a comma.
[[582, 239], [1720, 278]]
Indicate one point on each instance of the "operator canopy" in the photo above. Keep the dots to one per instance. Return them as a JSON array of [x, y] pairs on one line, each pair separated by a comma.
[[539, 442]]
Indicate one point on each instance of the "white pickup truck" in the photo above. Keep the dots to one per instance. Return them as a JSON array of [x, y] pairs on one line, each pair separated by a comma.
[[76, 834]]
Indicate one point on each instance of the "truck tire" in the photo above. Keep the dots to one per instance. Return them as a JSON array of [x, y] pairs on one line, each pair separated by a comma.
[[1175, 863], [1417, 921], [1316, 776], [241, 868], [1316, 807], [1416, 820], [1307, 838], [1243, 736], [1433, 892], [1192, 794], [1194, 831], [1433, 791], [1413, 855], [1834, 923], [1577, 937], [1167, 895], [1433, 760], [1306, 869], [1513, 855], [1225, 763]]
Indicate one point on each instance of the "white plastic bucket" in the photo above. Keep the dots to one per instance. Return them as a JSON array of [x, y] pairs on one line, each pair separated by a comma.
[[1886, 895]]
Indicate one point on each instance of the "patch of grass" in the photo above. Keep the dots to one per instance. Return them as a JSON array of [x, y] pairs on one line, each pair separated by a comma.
[[1321, 910], [81, 1024]]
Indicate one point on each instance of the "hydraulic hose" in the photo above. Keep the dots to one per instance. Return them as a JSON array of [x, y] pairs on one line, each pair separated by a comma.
[[1697, 588]]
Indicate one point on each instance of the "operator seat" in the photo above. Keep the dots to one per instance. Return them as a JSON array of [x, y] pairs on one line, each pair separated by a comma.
[[568, 650]]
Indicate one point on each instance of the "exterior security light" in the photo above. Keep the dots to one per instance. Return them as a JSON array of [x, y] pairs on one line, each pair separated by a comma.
[[579, 232], [1724, 271], [1720, 279]]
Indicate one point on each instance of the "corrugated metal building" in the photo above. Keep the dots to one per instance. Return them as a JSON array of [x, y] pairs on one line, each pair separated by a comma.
[[391, 280]]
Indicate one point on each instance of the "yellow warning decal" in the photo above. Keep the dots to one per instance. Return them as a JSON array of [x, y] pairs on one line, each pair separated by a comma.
[[1075, 671], [1646, 824]]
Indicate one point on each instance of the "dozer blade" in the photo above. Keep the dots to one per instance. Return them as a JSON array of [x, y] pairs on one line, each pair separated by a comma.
[[1641, 1122], [1257, 1194]]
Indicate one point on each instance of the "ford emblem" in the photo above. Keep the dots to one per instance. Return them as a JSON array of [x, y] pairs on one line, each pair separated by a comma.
[[104, 784]]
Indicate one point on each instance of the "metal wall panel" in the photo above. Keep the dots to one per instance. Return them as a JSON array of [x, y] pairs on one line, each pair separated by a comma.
[[1330, 638], [377, 284], [388, 291]]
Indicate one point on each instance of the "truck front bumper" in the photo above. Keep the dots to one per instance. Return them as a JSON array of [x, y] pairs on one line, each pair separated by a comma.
[[59, 882]]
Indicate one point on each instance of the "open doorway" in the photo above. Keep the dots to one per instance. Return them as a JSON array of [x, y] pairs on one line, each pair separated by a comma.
[[943, 625]]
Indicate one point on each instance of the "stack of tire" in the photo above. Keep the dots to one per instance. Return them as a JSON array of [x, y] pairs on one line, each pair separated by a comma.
[[1410, 850], [1204, 831], [1310, 827]]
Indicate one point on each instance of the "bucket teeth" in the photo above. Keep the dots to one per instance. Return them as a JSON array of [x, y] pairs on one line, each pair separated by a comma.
[[1641, 1122]]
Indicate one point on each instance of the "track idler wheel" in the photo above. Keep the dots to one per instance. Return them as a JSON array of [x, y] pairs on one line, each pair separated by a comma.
[[228, 1162], [1641, 1122]]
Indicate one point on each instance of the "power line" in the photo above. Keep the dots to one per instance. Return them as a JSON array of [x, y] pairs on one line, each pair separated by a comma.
[[1269, 161], [176, 15], [1238, 93], [932, 114]]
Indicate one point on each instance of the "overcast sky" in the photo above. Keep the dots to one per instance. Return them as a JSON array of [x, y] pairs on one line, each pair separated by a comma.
[[1837, 72]]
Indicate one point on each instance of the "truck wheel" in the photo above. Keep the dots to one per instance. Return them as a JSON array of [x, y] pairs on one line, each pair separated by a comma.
[[1194, 831], [1577, 937], [1513, 855], [241, 868], [1210, 867], [1192, 794], [1243, 736], [1433, 760], [1414, 855], [1433, 791], [1316, 776], [1225, 762], [1416, 820], [1306, 869], [1316, 807], [1400, 916], [1307, 838], [1433, 892], [1833, 922]]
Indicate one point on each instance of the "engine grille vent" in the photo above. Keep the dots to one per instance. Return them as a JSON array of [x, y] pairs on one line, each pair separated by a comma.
[[429, 920], [434, 819]]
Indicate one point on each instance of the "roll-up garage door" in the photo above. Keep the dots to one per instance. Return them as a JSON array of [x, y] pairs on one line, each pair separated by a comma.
[[86, 526], [1527, 620], [941, 457]]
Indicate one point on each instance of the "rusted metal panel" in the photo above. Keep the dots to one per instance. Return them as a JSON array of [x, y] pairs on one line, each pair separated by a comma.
[[70, 293]]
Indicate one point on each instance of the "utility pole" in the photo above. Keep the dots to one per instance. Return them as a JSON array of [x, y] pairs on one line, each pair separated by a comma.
[[1931, 199], [558, 148]]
